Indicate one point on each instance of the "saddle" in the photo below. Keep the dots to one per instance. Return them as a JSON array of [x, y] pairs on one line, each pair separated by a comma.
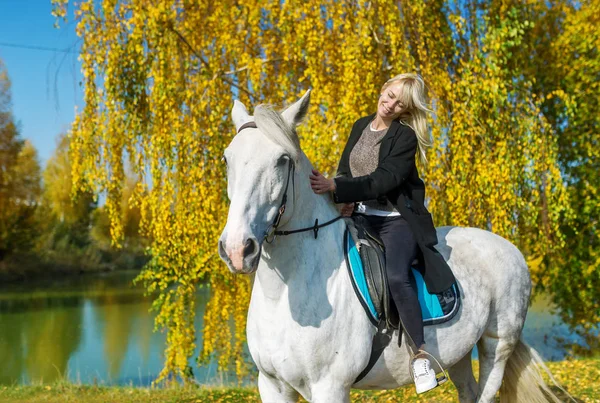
[[365, 255], [365, 258], [364, 252]]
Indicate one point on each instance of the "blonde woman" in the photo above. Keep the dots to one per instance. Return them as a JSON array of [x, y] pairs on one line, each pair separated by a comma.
[[377, 177]]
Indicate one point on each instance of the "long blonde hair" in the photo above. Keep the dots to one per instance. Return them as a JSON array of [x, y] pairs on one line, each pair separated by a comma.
[[412, 95]]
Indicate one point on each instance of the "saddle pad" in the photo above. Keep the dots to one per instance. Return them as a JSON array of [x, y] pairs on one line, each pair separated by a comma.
[[436, 308]]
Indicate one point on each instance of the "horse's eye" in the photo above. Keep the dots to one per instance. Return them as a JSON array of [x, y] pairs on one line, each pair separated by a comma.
[[282, 160]]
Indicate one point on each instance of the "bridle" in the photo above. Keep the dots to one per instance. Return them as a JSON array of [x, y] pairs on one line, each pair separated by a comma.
[[271, 232]]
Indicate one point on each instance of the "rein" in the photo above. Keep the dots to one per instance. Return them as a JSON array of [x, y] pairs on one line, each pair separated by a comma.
[[271, 233]]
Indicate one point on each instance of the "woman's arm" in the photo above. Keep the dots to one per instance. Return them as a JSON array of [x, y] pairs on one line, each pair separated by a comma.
[[391, 173]]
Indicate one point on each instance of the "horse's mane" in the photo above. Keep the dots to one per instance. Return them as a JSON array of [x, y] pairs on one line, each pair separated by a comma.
[[272, 125]]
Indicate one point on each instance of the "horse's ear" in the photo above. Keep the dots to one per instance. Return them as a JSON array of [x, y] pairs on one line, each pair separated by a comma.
[[297, 111], [240, 115]]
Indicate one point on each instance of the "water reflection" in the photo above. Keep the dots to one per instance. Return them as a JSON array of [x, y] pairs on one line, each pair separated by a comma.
[[37, 338], [98, 329], [85, 329], [50, 336], [115, 331], [11, 348]]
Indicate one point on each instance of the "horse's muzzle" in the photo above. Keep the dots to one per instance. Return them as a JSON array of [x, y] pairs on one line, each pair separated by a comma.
[[241, 259]]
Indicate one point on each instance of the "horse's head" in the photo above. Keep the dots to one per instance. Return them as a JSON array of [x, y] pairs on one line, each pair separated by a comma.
[[260, 164]]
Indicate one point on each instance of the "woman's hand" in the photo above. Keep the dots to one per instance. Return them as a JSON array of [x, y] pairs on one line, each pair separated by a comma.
[[321, 184], [347, 209]]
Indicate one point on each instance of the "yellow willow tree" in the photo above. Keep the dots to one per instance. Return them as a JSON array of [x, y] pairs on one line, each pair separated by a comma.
[[160, 78], [573, 98]]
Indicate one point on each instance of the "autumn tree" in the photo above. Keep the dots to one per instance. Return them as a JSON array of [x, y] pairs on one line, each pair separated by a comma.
[[160, 78], [132, 240], [75, 228], [558, 56], [19, 179], [65, 221], [571, 97], [58, 182]]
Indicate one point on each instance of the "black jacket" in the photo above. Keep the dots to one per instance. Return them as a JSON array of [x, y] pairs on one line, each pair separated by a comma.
[[397, 179]]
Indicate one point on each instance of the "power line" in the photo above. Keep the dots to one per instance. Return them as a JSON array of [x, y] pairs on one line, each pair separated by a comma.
[[33, 47]]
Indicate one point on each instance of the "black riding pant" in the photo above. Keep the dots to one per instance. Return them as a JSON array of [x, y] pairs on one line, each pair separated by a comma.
[[400, 251]]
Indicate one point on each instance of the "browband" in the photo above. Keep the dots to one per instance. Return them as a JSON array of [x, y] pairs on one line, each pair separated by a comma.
[[247, 125]]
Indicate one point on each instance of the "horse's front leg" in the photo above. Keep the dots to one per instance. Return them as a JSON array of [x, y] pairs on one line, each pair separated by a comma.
[[329, 392], [275, 391]]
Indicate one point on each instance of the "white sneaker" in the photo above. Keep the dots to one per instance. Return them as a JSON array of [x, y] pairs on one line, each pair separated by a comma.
[[424, 376]]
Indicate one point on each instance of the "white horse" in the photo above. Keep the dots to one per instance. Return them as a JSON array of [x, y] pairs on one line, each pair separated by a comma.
[[307, 332]]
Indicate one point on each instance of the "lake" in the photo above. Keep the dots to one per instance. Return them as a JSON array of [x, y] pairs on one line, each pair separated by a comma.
[[98, 329]]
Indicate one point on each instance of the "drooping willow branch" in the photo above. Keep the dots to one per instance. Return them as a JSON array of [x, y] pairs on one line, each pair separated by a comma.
[[207, 67]]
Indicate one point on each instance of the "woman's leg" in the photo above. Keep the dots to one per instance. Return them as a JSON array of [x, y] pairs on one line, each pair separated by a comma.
[[400, 251]]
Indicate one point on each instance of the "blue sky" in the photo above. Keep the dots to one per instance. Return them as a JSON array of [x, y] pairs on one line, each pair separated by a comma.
[[45, 83]]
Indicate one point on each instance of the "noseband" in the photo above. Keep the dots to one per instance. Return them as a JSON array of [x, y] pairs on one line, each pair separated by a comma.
[[271, 233]]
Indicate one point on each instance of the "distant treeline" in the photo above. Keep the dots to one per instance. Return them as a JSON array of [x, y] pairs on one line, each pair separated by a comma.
[[43, 230]]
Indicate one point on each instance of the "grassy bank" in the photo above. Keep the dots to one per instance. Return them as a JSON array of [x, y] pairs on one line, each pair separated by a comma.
[[581, 378], [24, 267]]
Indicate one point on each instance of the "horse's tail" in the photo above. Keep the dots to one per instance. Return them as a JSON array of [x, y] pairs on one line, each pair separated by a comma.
[[523, 380]]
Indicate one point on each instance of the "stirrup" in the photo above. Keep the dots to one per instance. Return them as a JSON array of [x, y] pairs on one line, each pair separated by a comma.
[[443, 375]]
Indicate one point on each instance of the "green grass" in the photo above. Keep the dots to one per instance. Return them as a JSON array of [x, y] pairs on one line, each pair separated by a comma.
[[101, 394], [581, 378]]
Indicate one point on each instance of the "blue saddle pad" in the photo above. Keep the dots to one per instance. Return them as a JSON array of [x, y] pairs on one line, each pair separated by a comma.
[[431, 304]]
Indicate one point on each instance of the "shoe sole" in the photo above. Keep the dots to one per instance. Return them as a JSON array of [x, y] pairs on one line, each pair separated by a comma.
[[426, 388]]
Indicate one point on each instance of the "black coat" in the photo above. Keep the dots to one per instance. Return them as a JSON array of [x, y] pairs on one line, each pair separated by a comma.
[[396, 178]]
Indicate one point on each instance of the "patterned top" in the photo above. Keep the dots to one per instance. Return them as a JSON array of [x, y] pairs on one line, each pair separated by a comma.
[[364, 159]]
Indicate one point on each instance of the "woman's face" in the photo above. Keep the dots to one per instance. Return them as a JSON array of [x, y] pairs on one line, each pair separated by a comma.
[[389, 105]]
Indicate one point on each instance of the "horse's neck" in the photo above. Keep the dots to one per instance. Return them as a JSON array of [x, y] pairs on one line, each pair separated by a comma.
[[300, 260]]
